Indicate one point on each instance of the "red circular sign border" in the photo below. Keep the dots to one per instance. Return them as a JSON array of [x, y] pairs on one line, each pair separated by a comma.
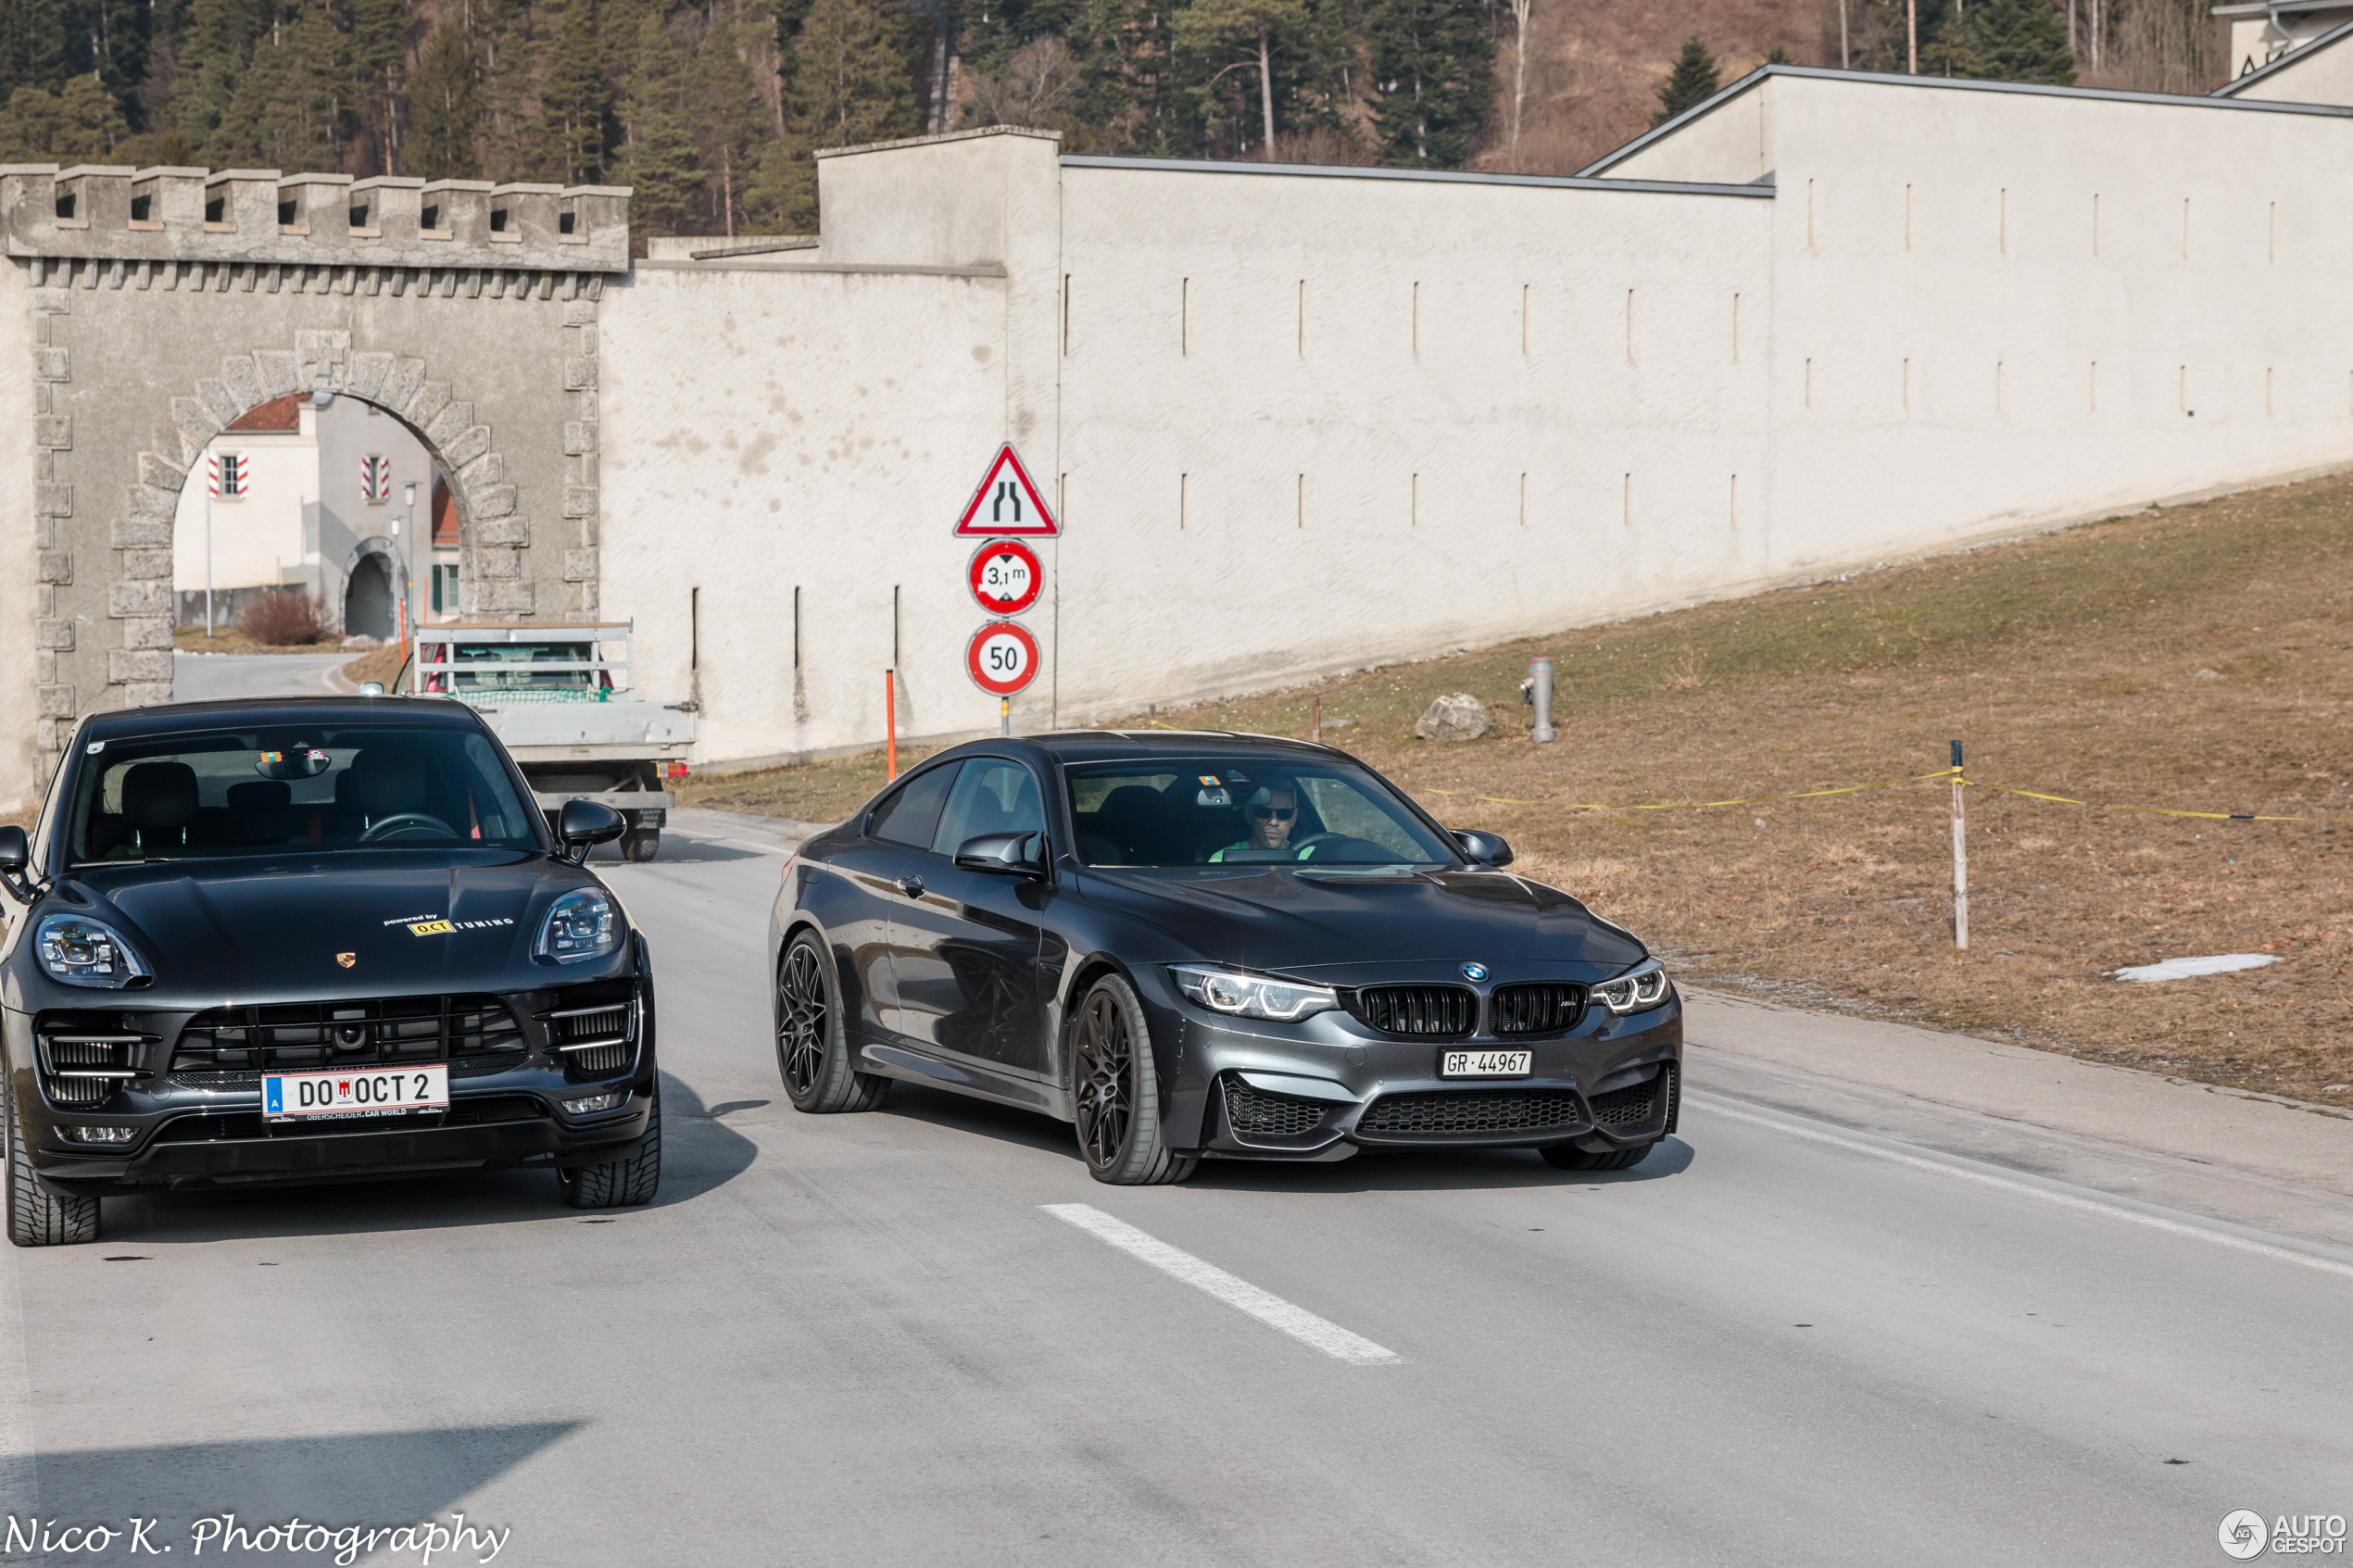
[[1006, 546], [971, 657]]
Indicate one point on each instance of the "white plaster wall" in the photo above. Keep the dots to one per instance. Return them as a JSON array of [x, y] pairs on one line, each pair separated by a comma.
[[1342, 382], [256, 537], [2322, 76], [768, 430], [20, 553]]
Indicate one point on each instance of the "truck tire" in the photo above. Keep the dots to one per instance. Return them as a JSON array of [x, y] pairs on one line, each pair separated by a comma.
[[640, 844], [38, 1217]]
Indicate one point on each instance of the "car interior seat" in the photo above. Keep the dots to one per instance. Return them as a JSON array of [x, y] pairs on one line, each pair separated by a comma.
[[388, 784], [261, 811], [158, 802]]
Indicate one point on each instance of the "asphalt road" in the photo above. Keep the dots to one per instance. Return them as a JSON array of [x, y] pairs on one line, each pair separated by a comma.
[[868, 1340], [201, 677]]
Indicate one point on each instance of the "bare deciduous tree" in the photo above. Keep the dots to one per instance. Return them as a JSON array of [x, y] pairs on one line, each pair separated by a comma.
[[1035, 89]]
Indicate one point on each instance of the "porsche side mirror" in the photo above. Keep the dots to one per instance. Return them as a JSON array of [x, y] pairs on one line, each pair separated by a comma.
[[1005, 854], [16, 853], [582, 823], [1485, 849]]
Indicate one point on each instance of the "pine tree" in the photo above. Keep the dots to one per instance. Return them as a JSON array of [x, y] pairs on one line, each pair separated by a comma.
[[378, 59], [1433, 81], [2016, 41], [852, 74], [662, 171], [726, 122], [79, 123], [574, 96], [32, 44], [1120, 50], [1692, 81], [1243, 36], [444, 109]]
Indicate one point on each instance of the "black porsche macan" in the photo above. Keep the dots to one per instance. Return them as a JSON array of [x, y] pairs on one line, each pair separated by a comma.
[[1196, 945], [274, 940]]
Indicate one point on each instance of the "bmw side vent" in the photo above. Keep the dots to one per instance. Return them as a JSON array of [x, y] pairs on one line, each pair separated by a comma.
[[84, 1058], [230, 1047], [1634, 1107], [1256, 1114], [1546, 1007], [594, 1030], [1422, 1012]]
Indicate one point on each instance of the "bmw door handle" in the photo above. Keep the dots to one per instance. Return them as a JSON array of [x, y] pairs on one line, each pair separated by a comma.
[[912, 885]]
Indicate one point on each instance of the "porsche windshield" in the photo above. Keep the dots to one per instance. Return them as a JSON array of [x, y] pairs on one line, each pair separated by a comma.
[[1241, 810], [262, 791]]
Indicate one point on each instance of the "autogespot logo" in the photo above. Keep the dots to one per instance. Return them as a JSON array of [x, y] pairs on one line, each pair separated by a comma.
[[2244, 1533], [1474, 971]]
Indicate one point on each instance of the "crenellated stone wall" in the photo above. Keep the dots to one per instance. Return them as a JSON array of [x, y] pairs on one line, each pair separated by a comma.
[[158, 304]]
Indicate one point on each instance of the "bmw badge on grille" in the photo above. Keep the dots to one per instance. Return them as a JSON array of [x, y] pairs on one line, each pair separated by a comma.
[[1474, 971]]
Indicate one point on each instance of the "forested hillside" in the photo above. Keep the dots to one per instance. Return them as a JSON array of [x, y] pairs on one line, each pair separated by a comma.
[[711, 109]]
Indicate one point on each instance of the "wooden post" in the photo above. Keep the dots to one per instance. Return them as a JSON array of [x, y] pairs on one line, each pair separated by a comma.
[[890, 720], [1960, 859]]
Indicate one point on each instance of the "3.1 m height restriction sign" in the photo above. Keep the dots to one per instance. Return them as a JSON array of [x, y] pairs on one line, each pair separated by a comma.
[[1001, 658], [1005, 577]]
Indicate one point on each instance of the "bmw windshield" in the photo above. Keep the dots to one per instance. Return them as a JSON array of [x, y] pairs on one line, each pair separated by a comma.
[[268, 790], [1240, 809]]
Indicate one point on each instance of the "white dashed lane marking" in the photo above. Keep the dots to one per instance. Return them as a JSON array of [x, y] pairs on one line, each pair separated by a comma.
[[1267, 1307]]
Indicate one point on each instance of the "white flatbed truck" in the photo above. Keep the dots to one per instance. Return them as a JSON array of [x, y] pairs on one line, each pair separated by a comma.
[[558, 696]]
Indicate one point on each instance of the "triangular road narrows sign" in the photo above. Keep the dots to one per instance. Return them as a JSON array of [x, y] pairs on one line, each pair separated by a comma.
[[1006, 503]]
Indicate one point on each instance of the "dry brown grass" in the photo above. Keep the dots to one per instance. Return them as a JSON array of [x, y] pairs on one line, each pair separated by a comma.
[[229, 639], [383, 664], [2068, 662]]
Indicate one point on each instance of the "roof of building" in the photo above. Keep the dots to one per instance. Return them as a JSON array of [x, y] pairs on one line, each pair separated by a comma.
[[2296, 56], [278, 415]]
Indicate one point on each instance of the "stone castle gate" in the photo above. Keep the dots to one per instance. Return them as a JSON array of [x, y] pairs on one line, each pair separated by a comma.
[[158, 304]]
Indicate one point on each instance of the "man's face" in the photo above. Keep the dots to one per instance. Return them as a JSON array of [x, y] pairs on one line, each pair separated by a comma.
[[1270, 824]]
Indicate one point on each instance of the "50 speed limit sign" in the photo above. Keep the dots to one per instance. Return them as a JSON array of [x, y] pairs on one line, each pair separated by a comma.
[[1002, 659], [1005, 576]]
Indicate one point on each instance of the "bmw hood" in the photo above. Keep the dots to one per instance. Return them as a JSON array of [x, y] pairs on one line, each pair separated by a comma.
[[328, 926], [1342, 928]]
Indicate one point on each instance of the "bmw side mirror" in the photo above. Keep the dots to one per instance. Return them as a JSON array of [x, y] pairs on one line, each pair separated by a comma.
[[582, 823], [1485, 849], [16, 853], [1004, 854]]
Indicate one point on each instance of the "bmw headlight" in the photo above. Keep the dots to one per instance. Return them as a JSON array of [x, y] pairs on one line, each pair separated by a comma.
[[82, 951], [1251, 996], [580, 925], [1637, 990]]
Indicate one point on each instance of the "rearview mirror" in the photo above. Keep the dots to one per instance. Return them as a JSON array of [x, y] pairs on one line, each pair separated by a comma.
[[585, 822], [1486, 848], [1005, 854]]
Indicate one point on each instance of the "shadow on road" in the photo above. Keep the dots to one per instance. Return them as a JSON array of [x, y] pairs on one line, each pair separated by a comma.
[[698, 1154], [365, 1478], [1369, 1171]]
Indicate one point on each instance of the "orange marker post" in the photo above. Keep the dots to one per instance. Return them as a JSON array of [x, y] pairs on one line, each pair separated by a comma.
[[890, 720]]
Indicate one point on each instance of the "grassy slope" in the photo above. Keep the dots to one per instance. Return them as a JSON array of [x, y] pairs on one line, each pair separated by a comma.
[[2069, 663]]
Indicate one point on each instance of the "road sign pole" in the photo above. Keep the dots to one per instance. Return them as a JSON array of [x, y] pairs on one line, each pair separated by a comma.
[[1004, 716]]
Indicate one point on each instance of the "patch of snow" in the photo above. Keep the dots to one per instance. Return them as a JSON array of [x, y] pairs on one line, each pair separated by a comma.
[[2182, 969]]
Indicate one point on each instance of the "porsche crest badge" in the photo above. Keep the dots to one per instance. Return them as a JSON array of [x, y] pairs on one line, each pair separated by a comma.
[[346, 959]]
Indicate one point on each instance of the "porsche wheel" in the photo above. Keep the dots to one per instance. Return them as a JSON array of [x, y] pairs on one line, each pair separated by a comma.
[[624, 1183], [38, 1217], [1568, 1157], [812, 1047], [1115, 1092]]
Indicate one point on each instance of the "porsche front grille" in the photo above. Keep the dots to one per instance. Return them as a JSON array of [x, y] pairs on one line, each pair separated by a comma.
[[85, 1058], [1546, 1006], [1421, 1012], [230, 1046], [594, 1030], [1256, 1114], [1445, 1113]]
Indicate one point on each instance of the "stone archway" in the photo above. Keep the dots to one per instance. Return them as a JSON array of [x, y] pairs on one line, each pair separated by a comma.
[[162, 304]]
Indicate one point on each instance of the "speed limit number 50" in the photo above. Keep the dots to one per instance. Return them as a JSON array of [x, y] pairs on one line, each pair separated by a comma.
[[1002, 658]]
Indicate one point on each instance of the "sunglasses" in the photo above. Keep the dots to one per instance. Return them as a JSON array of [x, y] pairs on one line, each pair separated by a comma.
[[1273, 813]]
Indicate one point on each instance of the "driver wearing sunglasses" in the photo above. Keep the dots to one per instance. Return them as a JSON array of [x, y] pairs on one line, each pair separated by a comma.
[[1271, 813]]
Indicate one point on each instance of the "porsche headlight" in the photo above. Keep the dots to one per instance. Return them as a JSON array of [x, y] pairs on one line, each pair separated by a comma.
[[82, 951], [1251, 996], [580, 925], [1637, 990]]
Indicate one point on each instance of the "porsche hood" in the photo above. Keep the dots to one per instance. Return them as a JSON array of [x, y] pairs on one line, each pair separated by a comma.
[[326, 926]]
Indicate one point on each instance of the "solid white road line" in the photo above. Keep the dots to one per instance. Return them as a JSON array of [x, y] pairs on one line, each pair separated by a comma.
[[1716, 1107], [1272, 1311]]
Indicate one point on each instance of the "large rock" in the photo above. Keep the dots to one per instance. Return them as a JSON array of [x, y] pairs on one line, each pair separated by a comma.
[[1455, 716]]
